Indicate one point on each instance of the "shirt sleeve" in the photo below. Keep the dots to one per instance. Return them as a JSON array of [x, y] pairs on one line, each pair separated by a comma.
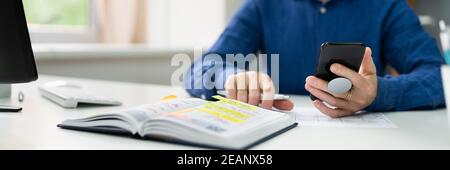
[[414, 53], [242, 36]]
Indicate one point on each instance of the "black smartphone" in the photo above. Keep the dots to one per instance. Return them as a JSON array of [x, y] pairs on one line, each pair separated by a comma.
[[347, 54]]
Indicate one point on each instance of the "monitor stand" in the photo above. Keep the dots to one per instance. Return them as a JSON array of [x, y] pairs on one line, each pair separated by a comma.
[[5, 92]]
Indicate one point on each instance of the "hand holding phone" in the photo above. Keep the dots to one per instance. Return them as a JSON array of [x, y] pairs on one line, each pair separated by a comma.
[[347, 54], [343, 67]]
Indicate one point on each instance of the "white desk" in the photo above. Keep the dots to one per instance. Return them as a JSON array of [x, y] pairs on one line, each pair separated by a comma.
[[35, 127]]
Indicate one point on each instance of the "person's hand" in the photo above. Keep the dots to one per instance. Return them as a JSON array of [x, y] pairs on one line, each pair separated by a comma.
[[256, 89], [362, 94]]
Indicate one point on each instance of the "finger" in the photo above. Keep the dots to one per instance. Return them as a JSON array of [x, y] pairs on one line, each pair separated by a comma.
[[322, 85], [268, 91], [285, 105], [343, 71], [242, 89], [368, 66], [230, 87], [333, 113], [331, 100], [254, 96]]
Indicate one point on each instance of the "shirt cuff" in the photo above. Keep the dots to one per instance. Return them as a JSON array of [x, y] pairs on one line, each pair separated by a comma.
[[387, 92]]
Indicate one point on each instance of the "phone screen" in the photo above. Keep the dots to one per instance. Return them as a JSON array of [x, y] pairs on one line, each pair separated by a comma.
[[347, 54]]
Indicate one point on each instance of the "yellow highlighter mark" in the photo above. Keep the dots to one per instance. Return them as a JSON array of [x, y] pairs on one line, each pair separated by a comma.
[[221, 115], [214, 106], [235, 103]]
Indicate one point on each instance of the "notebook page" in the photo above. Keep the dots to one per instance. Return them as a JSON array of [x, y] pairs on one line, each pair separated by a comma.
[[142, 113], [225, 118]]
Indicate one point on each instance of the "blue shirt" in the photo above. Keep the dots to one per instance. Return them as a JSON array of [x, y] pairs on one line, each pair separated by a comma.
[[295, 29]]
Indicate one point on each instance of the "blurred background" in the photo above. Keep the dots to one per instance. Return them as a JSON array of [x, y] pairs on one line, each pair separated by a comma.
[[134, 40]]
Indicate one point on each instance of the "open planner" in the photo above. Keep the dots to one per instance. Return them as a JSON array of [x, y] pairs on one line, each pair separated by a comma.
[[225, 124]]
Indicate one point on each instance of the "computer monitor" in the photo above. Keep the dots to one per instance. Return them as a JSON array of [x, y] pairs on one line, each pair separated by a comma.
[[17, 63]]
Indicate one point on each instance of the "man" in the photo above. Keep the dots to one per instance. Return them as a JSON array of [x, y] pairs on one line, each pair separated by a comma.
[[295, 29]]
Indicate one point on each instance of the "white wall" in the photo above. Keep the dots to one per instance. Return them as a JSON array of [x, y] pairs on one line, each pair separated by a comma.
[[186, 23], [173, 24], [132, 69], [138, 64]]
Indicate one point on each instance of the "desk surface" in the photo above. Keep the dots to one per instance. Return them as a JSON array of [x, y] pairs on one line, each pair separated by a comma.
[[35, 127]]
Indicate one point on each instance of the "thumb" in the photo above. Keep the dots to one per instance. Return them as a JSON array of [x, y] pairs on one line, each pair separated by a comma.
[[285, 105], [368, 66]]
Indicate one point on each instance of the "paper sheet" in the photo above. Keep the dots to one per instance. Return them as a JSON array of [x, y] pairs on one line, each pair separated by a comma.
[[313, 117]]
